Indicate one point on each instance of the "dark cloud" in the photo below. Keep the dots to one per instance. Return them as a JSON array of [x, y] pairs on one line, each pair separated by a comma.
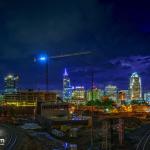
[[117, 32]]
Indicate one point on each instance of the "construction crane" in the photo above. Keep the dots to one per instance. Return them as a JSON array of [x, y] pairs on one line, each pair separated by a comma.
[[45, 58]]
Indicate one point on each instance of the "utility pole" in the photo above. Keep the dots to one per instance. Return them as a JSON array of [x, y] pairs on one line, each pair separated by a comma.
[[47, 75]]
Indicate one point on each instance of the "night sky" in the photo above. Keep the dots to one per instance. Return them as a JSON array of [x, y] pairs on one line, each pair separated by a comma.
[[116, 31]]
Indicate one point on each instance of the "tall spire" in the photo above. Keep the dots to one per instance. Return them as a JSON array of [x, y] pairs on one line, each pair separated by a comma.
[[65, 72]]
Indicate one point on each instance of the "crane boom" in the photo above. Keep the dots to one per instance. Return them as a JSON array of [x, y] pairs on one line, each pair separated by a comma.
[[70, 55], [43, 58]]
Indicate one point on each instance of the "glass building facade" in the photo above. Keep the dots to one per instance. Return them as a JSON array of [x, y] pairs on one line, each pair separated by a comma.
[[112, 92], [94, 94], [78, 93], [67, 89], [10, 83], [147, 97], [135, 87]]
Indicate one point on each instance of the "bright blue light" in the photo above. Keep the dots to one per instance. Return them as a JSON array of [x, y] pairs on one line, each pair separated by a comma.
[[43, 58]]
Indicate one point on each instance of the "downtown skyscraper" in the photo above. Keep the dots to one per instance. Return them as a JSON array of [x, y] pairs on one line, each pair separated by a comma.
[[135, 87], [112, 92], [67, 89], [10, 83]]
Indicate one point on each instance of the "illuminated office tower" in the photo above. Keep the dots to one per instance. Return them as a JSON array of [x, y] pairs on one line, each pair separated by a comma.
[[96, 94], [78, 93], [112, 92], [147, 97], [67, 89], [10, 83], [135, 87]]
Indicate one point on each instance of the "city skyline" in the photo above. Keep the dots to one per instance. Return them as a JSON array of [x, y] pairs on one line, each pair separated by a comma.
[[76, 83], [74, 75]]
